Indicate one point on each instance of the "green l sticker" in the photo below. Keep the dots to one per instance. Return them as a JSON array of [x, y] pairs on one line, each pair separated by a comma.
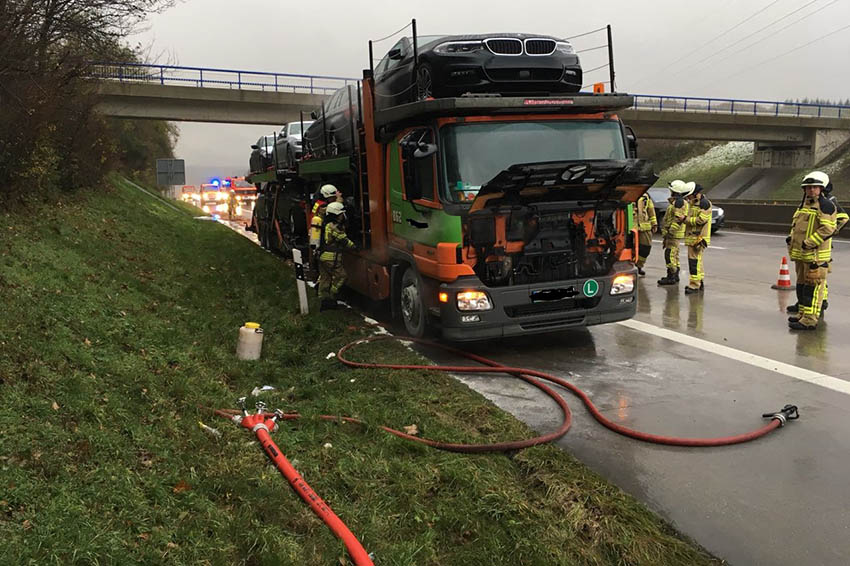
[[591, 287]]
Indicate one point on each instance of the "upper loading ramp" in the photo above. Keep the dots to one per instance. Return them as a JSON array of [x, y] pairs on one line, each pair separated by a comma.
[[494, 105]]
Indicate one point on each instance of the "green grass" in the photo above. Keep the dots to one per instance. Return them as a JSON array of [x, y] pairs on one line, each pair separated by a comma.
[[120, 317]]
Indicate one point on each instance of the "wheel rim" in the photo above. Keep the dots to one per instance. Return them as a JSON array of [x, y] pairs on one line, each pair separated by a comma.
[[424, 83], [410, 305]]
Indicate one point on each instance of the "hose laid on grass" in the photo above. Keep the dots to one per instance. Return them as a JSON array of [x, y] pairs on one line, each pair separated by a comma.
[[260, 424]]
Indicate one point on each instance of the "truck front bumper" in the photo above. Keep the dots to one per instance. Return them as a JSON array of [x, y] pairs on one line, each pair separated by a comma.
[[530, 309]]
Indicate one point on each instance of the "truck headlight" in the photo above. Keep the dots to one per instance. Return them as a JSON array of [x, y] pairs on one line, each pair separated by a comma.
[[473, 301], [623, 284], [206, 209]]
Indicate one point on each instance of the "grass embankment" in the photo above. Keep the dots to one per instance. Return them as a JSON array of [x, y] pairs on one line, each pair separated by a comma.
[[119, 317]]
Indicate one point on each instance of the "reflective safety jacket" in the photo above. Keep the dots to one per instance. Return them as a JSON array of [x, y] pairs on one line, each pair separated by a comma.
[[813, 223], [333, 242], [673, 225], [698, 222], [645, 219], [316, 223]]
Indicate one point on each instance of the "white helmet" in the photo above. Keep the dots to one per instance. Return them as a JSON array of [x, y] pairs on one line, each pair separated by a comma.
[[328, 191], [335, 208], [815, 178], [681, 188]]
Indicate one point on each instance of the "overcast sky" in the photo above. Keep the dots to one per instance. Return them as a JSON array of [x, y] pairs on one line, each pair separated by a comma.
[[750, 50]]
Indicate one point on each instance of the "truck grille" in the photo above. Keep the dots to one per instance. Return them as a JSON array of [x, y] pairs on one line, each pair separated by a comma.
[[539, 46], [564, 306], [571, 320], [506, 46]]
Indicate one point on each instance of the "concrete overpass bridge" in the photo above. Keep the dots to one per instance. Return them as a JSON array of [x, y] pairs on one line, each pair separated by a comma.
[[785, 134]]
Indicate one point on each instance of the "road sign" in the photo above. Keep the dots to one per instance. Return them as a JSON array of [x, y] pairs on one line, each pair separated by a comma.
[[170, 172]]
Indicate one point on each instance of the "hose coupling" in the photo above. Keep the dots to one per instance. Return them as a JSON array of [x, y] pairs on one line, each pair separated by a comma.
[[241, 403], [261, 407], [278, 414], [785, 414]]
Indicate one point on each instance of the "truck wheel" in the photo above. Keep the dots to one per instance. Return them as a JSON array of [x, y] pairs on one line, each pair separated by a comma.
[[412, 303]]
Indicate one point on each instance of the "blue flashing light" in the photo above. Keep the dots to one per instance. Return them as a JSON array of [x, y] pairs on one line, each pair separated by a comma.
[[226, 183], [216, 182]]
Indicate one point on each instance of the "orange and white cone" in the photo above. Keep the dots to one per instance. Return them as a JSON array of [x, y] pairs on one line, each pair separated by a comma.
[[784, 281]]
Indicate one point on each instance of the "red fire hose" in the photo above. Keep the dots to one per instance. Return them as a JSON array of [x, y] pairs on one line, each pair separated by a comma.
[[263, 423], [777, 419]]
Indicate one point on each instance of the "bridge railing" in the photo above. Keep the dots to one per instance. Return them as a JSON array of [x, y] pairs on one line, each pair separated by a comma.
[[738, 106], [218, 78]]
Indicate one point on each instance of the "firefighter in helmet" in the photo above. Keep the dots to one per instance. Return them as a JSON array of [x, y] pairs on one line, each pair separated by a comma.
[[697, 237], [841, 218], [327, 194], [673, 228], [332, 242], [810, 248], [646, 223]]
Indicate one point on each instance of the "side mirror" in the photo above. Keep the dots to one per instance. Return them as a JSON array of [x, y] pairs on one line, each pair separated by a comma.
[[425, 150], [314, 115], [395, 55], [255, 146]]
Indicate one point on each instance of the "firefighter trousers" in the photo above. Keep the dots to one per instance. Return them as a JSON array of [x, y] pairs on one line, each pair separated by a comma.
[[331, 278], [811, 290], [695, 265], [671, 253], [644, 246]]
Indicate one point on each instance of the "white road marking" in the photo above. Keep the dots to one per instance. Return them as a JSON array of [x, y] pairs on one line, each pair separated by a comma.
[[795, 372], [717, 248]]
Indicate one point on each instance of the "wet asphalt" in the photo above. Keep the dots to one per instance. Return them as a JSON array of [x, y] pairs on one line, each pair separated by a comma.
[[778, 500]]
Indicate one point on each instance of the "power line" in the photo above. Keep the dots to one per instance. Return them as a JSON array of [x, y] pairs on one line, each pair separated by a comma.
[[799, 47], [774, 22], [783, 28], [715, 38]]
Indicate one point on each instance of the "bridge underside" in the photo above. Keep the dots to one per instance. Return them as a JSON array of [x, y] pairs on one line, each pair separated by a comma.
[[189, 104], [781, 141]]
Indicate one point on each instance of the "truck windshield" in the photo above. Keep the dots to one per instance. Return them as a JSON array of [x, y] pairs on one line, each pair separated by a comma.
[[473, 154]]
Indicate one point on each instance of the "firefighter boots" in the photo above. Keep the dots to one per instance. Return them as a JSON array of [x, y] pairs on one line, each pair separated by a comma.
[[672, 277]]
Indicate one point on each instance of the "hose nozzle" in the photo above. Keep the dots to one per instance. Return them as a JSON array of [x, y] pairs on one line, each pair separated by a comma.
[[785, 414]]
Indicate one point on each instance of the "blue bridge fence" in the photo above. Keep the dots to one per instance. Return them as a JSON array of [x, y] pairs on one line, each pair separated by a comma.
[[202, 77]]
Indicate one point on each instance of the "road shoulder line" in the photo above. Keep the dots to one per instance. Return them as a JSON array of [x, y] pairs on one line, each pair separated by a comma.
[[755, 360]]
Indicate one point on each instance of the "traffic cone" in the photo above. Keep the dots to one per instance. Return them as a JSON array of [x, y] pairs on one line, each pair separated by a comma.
[[784, 281]]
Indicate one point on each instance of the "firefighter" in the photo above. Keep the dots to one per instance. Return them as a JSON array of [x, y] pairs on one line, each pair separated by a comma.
[[328, 193], [810, 248], [673, 229], [841, 218], [232, 203], [697, 238], [646, 223], [332, 242]]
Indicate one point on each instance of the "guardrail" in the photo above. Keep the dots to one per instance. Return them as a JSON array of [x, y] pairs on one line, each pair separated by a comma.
[[203, 77], [324, 84], [739, 106]]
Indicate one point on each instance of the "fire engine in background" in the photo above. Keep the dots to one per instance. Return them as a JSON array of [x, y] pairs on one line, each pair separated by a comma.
[[212, 198], [188, 194]]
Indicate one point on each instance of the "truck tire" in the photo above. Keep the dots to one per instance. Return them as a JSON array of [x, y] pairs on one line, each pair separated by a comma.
[[412, 303]]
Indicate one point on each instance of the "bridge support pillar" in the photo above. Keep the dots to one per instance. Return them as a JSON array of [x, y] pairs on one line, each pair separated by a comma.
[[820, 146]]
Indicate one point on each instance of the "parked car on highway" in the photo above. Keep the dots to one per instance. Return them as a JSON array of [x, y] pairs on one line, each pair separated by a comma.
[[288, 147], [330, 134], [452, 65], [261, 154], [659, 196]]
